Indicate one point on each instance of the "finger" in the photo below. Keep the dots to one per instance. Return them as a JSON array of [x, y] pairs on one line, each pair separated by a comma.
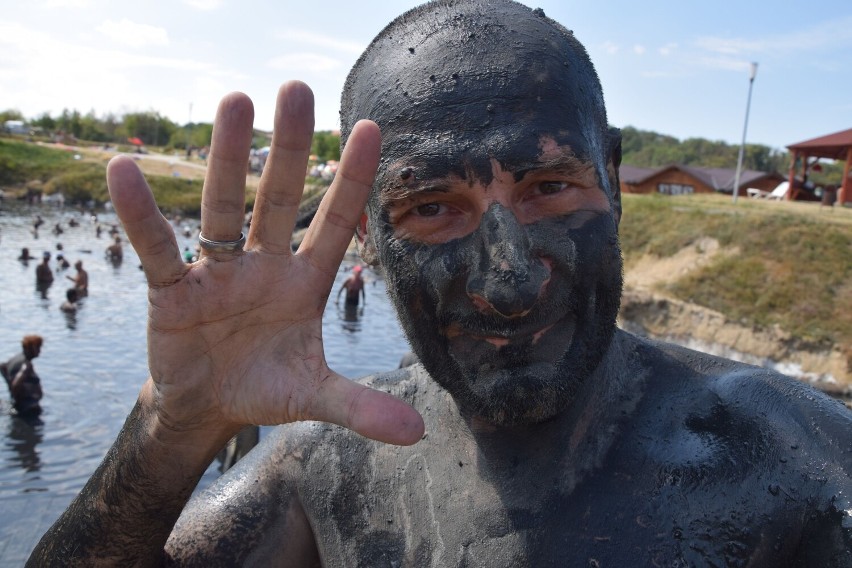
[[223, 196], [371, 413], [283, 179], [149, 232], [334, 224]]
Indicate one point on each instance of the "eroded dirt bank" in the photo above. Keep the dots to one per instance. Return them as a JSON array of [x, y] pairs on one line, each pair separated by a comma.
[[649, 311]]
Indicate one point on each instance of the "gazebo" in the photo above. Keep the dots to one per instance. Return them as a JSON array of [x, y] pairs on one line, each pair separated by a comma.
[[837, 146]]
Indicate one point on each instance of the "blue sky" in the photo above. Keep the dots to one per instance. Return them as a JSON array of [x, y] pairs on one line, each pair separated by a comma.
[[676, 67]]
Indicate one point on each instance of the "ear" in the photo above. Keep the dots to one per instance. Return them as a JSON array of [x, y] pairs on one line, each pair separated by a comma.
[[613, 164], [364, 240]]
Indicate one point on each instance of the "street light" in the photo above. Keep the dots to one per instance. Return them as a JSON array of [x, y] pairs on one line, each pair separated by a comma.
[[752, 75]]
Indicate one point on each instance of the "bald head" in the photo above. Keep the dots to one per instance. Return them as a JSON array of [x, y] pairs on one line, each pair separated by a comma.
[[455, 83]]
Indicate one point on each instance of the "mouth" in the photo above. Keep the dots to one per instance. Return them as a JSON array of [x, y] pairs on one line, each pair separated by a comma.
[[485, 349], [520, 334]]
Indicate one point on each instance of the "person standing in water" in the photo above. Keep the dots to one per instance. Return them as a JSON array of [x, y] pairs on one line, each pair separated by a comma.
[[23, 382], [354, 286]]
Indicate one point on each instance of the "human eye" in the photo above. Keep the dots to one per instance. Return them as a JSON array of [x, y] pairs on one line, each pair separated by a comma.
[[428, 209], [551, 187], [418, 210]]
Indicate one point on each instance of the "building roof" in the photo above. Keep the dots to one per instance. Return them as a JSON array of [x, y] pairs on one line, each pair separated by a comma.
[[720, 179], [832, 146], [635, 174]]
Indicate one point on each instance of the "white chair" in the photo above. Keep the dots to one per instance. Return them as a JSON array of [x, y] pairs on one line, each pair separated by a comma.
[[780, 191]]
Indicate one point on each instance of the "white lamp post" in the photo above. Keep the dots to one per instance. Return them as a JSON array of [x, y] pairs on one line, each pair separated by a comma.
[[752, 75]]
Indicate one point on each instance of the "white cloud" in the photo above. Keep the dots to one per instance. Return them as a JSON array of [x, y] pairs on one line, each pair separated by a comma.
[[667, 49], [304, 62], [610, 47], [204, 5], [726, 63], [132, 34], [47, 74], [831, 34], [639, 49], [320, 40]]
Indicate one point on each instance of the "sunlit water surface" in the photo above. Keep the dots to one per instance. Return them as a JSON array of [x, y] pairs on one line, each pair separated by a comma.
[[92, 364]]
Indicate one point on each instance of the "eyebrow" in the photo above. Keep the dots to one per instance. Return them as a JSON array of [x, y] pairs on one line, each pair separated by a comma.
[[566, 163], [397, 193]]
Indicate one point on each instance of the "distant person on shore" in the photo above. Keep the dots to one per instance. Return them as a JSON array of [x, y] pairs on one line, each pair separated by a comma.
[[21, 378], [25, 255], [80, 280], [98, 230], [829, 196], [188, 255], [114, 251], [354, 286], [37, 222], [44, 275], [70, 303]]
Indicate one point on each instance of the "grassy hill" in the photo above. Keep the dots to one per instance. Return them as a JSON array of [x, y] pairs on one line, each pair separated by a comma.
[[80, 175], [786, 264]]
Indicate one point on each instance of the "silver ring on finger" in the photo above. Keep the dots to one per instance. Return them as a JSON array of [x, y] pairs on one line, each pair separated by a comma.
[[222, 246]]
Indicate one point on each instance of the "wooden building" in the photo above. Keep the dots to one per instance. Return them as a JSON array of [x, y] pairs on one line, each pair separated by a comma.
[[684, 180], [837, 146]]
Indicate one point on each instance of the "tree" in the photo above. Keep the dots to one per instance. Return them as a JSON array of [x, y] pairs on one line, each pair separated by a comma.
[[10, 114], [44, 121], [150, 127], [652, 150], [92, 128], [69, 122], [326, 145]]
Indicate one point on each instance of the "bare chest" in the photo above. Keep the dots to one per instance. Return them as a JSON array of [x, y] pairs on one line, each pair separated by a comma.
[[453, 511]]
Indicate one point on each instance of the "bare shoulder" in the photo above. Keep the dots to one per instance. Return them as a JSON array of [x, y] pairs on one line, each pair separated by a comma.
[[763, 394], [257, 510], [749, 425], [251, 514], [750, 447]]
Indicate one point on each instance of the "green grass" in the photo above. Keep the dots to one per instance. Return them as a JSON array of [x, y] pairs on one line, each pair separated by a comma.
[[177, 194], [792, 268], [21, 163], [81, 181]]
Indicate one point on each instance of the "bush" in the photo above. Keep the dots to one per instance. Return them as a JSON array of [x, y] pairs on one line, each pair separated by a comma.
[[86, 182]]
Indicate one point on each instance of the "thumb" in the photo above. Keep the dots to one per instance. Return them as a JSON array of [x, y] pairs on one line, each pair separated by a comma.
[[368, 412]]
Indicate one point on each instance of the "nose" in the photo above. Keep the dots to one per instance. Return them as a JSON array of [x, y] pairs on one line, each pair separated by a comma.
[[507, 278]]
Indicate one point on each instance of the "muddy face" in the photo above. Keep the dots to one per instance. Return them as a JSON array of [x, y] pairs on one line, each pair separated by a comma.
[[512, 317], [493, 213]]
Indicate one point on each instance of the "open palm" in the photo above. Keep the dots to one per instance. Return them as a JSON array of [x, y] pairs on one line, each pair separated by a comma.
[[236, 338]]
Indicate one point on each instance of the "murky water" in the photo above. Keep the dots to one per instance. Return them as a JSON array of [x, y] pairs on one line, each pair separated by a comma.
[[92, 364]]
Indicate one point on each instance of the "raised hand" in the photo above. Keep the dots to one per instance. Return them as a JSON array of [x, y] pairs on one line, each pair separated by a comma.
[[236, 338]]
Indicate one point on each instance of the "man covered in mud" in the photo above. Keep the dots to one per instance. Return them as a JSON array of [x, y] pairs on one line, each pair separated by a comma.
[[532, 433]]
